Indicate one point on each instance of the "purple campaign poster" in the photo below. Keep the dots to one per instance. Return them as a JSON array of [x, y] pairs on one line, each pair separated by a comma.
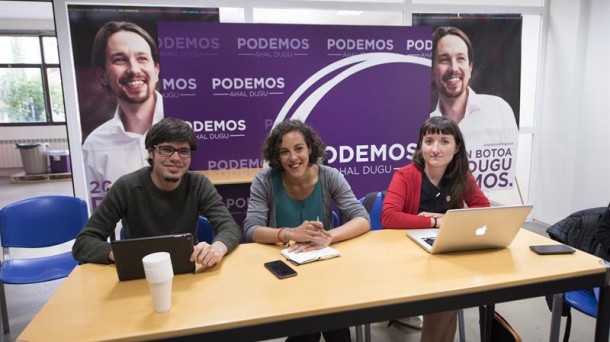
[[365, 89]]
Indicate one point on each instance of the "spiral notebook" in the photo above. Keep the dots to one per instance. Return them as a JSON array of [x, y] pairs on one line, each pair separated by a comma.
[[310, 256]]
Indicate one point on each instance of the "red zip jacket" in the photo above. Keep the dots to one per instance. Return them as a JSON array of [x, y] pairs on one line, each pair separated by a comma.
[[402, 199]]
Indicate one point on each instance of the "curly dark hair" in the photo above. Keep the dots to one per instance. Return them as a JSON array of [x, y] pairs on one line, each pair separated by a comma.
[[456, 174], [168, 130], [271, 148]]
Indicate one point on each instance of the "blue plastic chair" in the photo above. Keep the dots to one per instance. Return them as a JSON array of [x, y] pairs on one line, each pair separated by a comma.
[[336, 221], [205, 231], [375, 208], [35, 223], [583, 301]]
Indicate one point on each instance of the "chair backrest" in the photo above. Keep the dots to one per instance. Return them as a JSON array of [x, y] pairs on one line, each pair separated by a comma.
[[373, 202], [336, 220], [205, 231], [42, 221]]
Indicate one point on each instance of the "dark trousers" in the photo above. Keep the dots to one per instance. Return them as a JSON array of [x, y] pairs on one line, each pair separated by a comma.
[[338, 335]]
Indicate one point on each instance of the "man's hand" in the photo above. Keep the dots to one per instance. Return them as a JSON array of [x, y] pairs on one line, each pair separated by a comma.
[[209, 255]]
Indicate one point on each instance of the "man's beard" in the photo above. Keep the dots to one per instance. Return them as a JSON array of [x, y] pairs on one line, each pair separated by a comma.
[[124, 97], [445, 93], [171, 179]]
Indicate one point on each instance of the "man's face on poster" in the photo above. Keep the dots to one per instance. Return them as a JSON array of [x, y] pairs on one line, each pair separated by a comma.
[[131, 73], [451, 69]]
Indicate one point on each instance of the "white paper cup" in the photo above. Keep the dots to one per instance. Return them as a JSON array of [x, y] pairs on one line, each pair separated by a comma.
[[159, 274], [161, 295]]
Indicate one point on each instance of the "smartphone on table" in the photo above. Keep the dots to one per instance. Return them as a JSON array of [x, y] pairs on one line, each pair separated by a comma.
[[552, 249], [280, 269]]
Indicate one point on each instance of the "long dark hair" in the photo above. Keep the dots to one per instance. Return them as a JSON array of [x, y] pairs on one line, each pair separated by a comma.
[[456, 174], [271, 148]]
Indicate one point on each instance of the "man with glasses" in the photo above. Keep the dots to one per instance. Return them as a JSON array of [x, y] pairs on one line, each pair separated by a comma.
[[160, 199]]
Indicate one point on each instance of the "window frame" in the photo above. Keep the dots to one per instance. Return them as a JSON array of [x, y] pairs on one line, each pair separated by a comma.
[[43, 68]]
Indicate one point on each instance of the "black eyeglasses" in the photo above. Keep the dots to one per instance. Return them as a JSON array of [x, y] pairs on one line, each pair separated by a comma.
[[168, 151]]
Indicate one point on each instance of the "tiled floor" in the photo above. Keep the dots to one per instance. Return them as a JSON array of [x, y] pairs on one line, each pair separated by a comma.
[[530, 317]]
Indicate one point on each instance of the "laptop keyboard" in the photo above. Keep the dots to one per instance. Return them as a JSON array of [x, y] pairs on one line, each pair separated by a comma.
[[429, 240]]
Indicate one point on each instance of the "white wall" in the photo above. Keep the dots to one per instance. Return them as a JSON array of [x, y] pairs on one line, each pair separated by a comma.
[[33, 132], [572, 160]]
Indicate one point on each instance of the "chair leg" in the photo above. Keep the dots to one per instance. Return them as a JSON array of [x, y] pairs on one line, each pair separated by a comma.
[[461, 325], [4, 310]]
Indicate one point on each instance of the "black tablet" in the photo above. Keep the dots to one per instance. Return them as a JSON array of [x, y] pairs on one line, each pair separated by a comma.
[[128, 254]]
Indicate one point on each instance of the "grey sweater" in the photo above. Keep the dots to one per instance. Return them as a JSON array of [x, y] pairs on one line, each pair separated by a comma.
[[147, 211], [261, 205]]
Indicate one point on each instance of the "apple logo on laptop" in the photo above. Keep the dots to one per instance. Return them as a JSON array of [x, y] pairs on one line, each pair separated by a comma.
[[481, 231]]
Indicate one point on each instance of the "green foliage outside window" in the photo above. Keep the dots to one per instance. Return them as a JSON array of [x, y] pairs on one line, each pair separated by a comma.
[[22, 96]]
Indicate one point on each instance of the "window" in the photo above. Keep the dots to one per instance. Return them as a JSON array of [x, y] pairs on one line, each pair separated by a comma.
[[30, 81]]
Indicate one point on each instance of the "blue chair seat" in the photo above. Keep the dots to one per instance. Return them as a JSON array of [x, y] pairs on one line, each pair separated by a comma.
[[37, 270], [583, 301]]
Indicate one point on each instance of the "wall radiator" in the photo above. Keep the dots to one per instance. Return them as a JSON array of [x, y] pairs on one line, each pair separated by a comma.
[[10, 157]]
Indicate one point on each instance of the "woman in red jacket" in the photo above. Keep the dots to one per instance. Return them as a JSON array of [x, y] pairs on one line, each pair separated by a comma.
[[420, 194]]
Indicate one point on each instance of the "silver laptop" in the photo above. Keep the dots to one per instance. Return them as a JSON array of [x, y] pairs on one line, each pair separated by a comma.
[[473, 229]]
